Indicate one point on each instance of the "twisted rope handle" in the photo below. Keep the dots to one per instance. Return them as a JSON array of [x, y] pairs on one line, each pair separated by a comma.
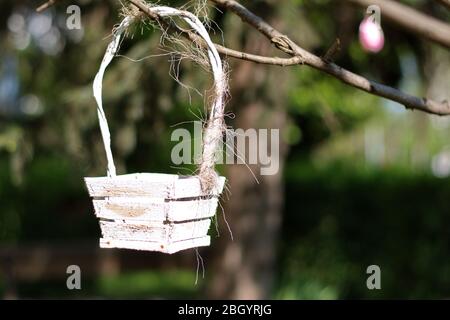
[[215, 127]]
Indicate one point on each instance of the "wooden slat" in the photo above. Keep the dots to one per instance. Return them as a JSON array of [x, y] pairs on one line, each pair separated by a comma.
[[198, 209], [131, 208], [191, 187], [155, 246], [154, 185], [154, 231], [189, 230], [134, 209], [131, 185]]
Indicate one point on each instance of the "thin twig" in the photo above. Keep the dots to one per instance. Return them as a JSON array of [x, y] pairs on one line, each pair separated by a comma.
[[45, 6], [331, 52]]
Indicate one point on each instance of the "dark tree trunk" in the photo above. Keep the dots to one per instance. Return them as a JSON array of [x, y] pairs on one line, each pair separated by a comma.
[[245, 268]]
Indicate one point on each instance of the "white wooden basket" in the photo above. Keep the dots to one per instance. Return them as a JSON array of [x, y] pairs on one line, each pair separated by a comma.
[[154, 211]]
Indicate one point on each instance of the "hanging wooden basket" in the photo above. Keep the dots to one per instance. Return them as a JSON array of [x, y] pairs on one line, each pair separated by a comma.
[[151, 211], [154, 211]]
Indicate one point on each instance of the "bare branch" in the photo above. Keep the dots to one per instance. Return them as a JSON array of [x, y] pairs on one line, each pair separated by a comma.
[[285, 44], [411, 20], [193, 37], [276, 61], [300, 56], [221, 49], [45, 5]]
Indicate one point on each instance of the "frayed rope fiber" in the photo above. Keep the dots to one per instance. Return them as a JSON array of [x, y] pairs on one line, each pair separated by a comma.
[[215, 127]]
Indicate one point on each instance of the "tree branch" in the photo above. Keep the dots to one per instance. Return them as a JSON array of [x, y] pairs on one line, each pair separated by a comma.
[[412, 20], [45, 6], [299, 56], [170, 27], [194, 37], [285, 44], [276, 61]]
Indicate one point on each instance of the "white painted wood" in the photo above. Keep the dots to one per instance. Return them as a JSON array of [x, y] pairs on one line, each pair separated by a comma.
[[155, 246], [154, 209], [199, 209], [190, 187], [129, 185], [131, 208], [155, 231], [156, 185]]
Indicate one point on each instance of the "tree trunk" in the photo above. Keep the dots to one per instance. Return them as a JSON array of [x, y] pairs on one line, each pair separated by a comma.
[[245, 268]]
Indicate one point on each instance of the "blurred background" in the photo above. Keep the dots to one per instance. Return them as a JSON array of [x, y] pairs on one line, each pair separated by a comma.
[[362, 181]]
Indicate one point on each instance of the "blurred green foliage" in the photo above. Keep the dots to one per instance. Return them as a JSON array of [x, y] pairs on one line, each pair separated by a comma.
[[176, 284], [343, 218], [168, 284]]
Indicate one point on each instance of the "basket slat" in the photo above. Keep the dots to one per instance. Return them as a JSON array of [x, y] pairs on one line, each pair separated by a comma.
[[154, 231], [155, 185], [151, 209], [155, 246]]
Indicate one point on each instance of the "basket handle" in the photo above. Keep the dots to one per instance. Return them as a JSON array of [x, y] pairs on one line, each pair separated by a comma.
[[215, 126], [97, 87]]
